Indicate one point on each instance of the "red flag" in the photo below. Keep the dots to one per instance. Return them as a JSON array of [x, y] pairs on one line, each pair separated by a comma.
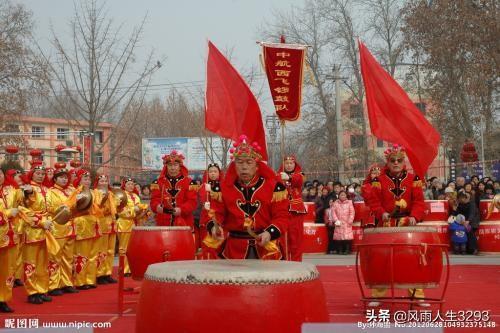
[[394, 117], [230, 107]]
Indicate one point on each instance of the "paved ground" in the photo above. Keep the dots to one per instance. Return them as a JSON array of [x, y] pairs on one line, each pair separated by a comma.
[[345, 260]]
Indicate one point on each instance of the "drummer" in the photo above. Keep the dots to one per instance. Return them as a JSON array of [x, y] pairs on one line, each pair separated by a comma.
[[174, 197], [290, 173], [255, 207], [397, 202]]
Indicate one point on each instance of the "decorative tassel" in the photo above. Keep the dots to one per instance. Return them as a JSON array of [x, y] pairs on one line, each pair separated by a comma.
[[216, 196], [279, 196], [194, 187]]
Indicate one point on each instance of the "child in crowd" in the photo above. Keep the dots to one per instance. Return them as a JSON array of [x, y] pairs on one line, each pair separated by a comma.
[[459, 228]]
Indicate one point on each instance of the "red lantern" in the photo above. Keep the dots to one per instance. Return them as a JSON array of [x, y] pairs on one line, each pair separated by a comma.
[[75, 163], [79, 148], [60, 165], [11, 149], [58, 148], [35, 152], [468, 153]]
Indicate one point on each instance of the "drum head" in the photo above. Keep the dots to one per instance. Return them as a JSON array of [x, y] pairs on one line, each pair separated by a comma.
[[390, 230], [254, 272]]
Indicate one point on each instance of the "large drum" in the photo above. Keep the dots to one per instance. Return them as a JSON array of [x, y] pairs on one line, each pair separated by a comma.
[[416, 260], [311, 212], [436, 210], [315, 238], [489, 237], [149, 245], [357, 232], [485, 207], [441, 229], [230, 296]]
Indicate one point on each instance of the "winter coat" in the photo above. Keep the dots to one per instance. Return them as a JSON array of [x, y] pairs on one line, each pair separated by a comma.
[[343, 211], [458, 232]]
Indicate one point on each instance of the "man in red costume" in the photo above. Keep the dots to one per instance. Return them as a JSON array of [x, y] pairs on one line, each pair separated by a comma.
[[290, 173], [397, 202], [173, 198], [254, 210]]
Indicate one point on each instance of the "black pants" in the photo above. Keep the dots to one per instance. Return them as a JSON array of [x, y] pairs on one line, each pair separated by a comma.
[[344, 246], [459, 248], [471, 242], [331, 243]]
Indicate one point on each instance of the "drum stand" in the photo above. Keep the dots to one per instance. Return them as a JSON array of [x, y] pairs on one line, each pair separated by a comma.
[[411, 300], [122, 291]]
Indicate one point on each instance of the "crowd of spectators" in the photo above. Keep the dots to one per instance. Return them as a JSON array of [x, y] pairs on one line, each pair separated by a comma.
[[463, 198]]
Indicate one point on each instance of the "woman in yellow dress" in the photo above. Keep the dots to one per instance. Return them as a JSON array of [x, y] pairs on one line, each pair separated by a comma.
[[61, 264], [9, 198], [13, 178], [87, 233], [105, 211], [127, 217]]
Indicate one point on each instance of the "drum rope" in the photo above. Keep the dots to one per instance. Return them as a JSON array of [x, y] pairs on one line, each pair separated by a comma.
[[423, 252]]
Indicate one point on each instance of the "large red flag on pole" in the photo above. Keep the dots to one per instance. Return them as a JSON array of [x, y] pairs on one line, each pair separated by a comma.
[[230, 106], [394, 117]]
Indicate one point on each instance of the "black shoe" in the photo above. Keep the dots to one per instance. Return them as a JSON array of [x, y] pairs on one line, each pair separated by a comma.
[[84, 287], [127, 274], [5, 308], [92, 286], [18, 283], [70, 290], [102, 280], [45, 298], [56, 292], [110, 279], [35, 299]]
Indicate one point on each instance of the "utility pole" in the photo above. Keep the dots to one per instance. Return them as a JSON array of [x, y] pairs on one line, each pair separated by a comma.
[[338, 115]]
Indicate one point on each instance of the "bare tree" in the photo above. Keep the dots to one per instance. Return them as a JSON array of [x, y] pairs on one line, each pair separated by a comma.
[[21, 71], [92, 72], [457, 43], [384, 23]]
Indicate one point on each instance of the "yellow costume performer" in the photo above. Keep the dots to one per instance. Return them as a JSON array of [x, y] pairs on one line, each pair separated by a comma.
[[61, 264], [126, 218], [35, 249], [9, 198], [87, 232], [105, 211]]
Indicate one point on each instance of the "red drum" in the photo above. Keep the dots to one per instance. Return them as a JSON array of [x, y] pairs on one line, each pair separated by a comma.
[[441, 228], [311, 212], [436, 210], [149, 245], [357, 232], [315, 238], [488, 239], [230, 296], [415, 263], [484, 206]]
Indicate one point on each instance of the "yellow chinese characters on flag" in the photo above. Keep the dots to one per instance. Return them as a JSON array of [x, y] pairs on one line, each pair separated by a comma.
[[284, 65]]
